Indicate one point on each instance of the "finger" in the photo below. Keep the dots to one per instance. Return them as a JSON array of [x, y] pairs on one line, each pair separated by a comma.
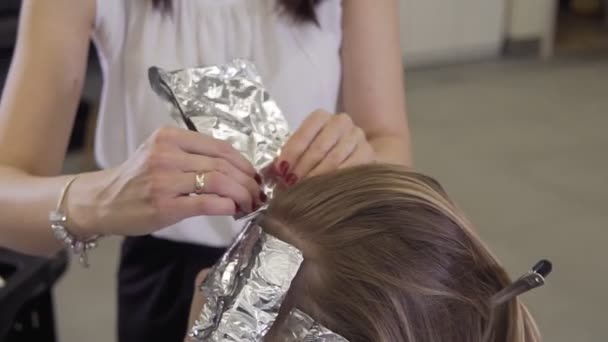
[[202, 205], [179, 184], [300, 140], [200, 277], [198, 298], [362, 154], [202, 144], [338, 154], [196, 163], [224, 186], [318, 150]]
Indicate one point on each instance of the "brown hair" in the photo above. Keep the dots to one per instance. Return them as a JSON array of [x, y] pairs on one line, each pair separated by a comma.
[[389, 258], [302, 10]]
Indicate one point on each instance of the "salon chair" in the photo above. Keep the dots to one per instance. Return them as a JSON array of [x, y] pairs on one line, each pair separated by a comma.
[[26, 301]]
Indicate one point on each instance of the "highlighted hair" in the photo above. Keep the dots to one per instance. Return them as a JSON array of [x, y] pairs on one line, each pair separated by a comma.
[[390, 258]]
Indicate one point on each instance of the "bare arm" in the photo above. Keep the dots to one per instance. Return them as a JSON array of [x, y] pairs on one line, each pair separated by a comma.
[[373, 86], [149, 191], [37, 111]]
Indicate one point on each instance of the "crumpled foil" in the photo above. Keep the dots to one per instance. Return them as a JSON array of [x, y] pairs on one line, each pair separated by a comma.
[[299, 327], [227, 102], [245, 290]]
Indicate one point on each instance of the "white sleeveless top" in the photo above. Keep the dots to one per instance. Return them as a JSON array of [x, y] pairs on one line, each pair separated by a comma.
[[299, 64]]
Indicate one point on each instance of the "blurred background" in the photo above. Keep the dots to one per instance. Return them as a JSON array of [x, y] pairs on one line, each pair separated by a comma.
[[508, 105]]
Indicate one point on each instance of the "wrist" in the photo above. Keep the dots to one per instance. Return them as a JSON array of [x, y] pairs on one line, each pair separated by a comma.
[[391, 150], [83, 205], [75, 234]]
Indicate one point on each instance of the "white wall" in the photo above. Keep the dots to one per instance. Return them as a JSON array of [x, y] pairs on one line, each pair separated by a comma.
[[529, 19], [440, 31]]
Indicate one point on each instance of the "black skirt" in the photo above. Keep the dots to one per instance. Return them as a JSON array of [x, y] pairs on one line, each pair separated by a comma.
[[155, 286]]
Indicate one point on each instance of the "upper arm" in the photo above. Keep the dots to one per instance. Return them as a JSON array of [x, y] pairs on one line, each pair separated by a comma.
[[44, 83], [373, 92]]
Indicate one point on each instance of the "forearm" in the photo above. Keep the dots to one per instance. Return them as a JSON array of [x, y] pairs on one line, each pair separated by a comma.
[[392, 149], [373, 91], [25, 203]]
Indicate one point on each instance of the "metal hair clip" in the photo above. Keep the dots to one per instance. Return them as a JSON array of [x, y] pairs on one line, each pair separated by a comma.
[[527, 282]]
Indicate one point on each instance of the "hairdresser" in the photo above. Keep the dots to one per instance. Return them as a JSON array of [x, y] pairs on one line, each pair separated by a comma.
[[340, 56]]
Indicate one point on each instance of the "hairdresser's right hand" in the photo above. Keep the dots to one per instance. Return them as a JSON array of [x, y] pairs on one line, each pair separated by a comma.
[[151, 190]]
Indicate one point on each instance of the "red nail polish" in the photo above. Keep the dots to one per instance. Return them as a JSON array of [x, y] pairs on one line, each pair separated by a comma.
[[258, 179], [291, 179], [263, 197], [283, 168]]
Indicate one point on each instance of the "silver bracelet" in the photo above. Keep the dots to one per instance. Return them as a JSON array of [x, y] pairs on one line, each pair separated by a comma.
[[58, 221]]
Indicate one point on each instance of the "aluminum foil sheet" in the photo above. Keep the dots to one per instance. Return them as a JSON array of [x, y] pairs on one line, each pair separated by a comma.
[[227, 102], [300, 327], [245, 290]]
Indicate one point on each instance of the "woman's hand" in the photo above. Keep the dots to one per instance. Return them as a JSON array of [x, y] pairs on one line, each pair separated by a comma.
[[153, 188], [324, 142], [198, 300]]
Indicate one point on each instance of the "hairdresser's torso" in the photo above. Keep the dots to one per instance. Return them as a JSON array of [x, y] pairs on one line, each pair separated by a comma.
[[299, 64]]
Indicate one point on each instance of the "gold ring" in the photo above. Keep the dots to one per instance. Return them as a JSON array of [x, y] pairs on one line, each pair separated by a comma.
[[199, 183]]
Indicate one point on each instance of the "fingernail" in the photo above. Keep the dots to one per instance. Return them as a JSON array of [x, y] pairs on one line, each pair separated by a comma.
[[258, 179], [291, 179], [263, 197], [283, 168]]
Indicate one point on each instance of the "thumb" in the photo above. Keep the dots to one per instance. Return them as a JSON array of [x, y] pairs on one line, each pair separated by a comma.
[[198, 299]]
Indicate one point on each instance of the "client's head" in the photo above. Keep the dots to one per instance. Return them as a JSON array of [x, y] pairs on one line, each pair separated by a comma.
[[389, 258]]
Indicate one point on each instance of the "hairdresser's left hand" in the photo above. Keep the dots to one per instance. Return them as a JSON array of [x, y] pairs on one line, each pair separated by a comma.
[[324, 142]]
